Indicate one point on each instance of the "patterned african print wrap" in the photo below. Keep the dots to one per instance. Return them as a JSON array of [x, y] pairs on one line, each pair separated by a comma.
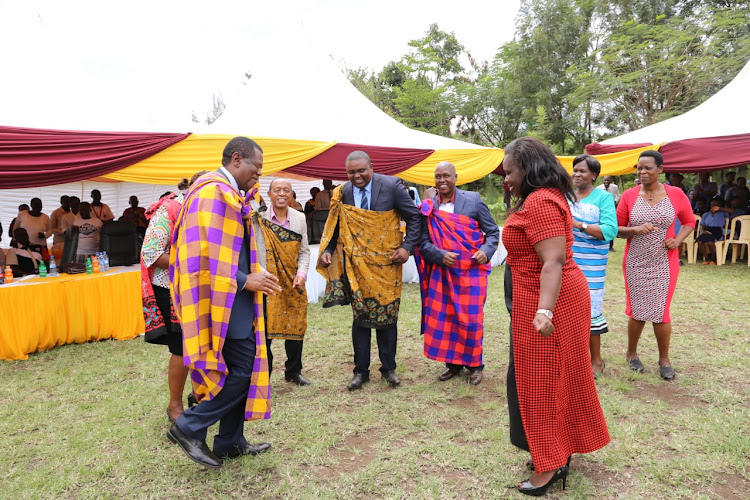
[[203, 260], [287, 310], [453, 297], [361, 271], [155, 324]]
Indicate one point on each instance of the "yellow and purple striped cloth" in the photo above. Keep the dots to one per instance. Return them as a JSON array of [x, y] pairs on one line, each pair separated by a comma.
[[203, 261]]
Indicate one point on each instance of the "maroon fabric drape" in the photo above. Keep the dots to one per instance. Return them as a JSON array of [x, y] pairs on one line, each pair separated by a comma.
[[693, 155], [387, 161], [706, 154], [38, 157], [603, 149]]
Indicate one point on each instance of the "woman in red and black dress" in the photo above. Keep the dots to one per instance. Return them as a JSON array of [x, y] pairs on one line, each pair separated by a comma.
[[646, 216], [557, 404]]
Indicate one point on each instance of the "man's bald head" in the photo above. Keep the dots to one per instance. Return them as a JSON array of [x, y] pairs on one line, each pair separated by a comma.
[[445, 179], [279, 179], [280, 192], [446, 164]]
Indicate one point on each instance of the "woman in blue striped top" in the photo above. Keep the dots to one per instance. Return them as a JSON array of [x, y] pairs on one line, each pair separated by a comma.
[[594, 226]]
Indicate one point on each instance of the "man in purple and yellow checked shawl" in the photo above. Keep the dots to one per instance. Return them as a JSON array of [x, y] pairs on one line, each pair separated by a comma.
[[459, 238], [362, 251], [217, 289]]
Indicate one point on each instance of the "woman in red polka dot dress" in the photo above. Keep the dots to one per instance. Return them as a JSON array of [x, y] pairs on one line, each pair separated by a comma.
[[557, 401]]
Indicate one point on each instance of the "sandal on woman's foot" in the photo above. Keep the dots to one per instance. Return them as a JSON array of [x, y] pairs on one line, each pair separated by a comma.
[[635, 365], [597, 374], [667, 372], [169, 416]]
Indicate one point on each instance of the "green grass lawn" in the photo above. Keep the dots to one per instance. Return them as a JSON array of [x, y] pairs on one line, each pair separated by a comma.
[[88, 421]]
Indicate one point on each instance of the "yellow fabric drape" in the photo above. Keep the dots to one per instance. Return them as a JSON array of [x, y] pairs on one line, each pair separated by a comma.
[[203, 152], [471, 164], [619, 163], [68, 309]]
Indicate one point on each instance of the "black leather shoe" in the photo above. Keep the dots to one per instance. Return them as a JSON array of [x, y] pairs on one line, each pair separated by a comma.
[[449, 373], [298, 379], [392, 378], [475, 377], [249, 449], [357, 381], [195, 449]]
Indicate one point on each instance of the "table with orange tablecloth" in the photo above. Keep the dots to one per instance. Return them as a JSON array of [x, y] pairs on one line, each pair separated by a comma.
[[41, 313]]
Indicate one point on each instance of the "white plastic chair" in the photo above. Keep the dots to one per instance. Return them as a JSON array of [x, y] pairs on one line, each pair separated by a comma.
[[743, 238]]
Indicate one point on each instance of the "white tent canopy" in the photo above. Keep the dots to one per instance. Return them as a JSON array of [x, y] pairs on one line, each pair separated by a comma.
[[726, 113]]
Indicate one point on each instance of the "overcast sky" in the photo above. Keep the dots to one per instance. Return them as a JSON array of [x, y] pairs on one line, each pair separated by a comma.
[[171, 55]]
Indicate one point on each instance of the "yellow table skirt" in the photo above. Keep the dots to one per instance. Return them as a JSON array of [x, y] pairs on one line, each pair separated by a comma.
[[41, 313]]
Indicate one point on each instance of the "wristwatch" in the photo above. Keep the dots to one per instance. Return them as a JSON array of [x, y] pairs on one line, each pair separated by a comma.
[[584, 226], [546, 312]]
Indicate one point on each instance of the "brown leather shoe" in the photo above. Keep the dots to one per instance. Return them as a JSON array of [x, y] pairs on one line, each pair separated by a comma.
[[449, 373], [475, 376]]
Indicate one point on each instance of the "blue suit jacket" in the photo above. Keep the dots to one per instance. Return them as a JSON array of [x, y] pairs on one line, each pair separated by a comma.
[[471, 205], [387, 194]]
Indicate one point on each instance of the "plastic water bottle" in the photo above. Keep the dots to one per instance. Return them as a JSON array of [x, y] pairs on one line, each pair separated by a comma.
[[89, 267], [52, 266], [8, 275], [106, 261], [42, 270]]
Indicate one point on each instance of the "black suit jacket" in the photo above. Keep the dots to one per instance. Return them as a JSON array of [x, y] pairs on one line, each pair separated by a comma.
[[387, 194]]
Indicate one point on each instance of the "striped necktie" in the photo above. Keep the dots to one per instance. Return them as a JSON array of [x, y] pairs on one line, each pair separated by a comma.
[[365, 203]]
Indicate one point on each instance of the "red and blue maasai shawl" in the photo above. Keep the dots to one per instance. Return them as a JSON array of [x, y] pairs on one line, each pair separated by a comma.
[[203, 259], [453, 297]]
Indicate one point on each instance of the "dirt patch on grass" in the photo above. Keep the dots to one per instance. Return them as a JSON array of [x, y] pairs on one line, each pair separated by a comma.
[[354, 453], [730, 486], [669, 393]]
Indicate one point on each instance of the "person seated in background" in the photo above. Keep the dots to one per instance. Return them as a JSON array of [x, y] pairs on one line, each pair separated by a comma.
[[36, 223], [699, 206], [727, 185], [88, 231], [734, 208], [704, 189], [135, 214], [740, 190], [294, 203], [711, 230], [22, 208], [23, 259], [98, 209], [675, 179]]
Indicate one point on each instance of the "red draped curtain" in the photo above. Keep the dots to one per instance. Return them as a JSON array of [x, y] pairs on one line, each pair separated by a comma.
[[386, 161], [39, 157]]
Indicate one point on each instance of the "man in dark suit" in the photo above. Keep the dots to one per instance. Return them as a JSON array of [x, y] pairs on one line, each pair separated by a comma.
[[211, 261], [380, 193], [467, 349]]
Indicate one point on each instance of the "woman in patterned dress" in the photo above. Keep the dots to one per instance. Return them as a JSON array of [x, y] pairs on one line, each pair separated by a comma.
[[646, 216], [594, 226], [557, 401]]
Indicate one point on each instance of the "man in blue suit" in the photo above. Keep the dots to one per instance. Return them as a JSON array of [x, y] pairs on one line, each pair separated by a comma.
[[453, 307], [371, 192]]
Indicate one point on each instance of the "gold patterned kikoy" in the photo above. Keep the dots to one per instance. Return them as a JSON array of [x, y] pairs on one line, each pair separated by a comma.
[[361, 272], [286, 312]]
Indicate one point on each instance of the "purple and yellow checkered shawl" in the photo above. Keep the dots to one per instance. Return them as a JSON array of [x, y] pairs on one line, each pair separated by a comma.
[[203, 260]]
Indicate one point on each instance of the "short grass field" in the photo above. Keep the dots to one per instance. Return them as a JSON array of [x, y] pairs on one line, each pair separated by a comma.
[[88, 421]]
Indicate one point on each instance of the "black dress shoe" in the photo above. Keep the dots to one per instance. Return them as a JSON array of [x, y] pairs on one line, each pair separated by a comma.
[[195, 449], [357, 381], [475, 377], [298, 379], [449, 373], [249, 449], [392, 378], [191, 400]]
